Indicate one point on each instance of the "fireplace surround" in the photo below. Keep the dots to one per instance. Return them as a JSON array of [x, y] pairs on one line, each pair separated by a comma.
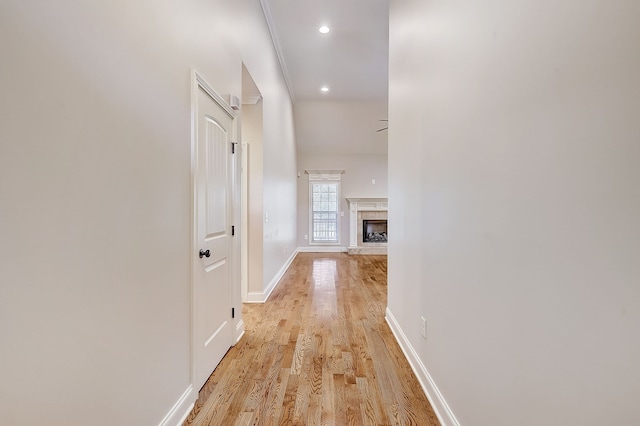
[[374, 211]]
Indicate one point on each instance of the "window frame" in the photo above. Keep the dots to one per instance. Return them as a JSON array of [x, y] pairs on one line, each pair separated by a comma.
[[331, 178]]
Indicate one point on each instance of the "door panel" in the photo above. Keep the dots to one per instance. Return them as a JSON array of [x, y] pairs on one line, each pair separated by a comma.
[[216, 191], [212, 274]]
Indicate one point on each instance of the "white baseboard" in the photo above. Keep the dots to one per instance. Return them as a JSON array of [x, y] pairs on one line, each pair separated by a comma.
[[439, 405], [262, 296], [181, 409], [322, 249], [239, 330], [255, 297]]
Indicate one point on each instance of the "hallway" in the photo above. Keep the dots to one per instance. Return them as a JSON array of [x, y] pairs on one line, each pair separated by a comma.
[[317, 352]]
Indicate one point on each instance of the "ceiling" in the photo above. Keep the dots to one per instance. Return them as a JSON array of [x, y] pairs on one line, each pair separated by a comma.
[[352, 59]]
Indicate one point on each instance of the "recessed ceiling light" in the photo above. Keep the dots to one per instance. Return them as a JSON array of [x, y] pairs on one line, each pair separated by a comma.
[[324, 29], [324, 89]]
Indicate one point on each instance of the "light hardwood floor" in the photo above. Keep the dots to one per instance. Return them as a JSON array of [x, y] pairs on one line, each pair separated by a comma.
[[318, 352]]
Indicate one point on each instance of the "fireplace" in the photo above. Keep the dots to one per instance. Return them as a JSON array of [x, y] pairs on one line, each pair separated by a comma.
[[374, 231], [367, 225]]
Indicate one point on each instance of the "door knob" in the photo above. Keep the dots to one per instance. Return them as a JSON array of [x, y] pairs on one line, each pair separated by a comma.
[[204, 253]]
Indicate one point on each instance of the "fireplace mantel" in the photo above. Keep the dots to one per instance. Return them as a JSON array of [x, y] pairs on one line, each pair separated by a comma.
[[362, 204], [368, 204]]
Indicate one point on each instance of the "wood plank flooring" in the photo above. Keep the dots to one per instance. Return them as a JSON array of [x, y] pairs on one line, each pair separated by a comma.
[[318, 352]]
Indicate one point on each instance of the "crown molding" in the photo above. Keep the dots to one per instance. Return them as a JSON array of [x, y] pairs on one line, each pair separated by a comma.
[[266, 9], [323, 172]]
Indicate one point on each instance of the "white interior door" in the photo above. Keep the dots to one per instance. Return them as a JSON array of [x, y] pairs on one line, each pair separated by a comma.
[[212, 273]]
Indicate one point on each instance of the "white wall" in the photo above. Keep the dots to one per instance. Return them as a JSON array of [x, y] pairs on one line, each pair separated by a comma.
[[513, 190], [95, 203], [355, 182], [278, 147], [341, 127]]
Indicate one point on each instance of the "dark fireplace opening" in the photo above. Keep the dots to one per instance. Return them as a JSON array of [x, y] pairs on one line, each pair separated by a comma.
[[374, 231]]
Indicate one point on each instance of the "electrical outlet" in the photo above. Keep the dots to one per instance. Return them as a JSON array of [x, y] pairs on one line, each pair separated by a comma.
[[306, 237], [424, 327]]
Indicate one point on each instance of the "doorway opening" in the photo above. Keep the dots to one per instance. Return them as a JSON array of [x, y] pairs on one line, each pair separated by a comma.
[[251, 272]]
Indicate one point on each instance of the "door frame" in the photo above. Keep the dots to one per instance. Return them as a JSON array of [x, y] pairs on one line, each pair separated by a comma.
[[198, 82], [244, 221]]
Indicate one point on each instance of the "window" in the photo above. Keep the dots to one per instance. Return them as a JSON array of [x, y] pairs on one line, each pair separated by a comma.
[[324, 212], [324, 205]]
